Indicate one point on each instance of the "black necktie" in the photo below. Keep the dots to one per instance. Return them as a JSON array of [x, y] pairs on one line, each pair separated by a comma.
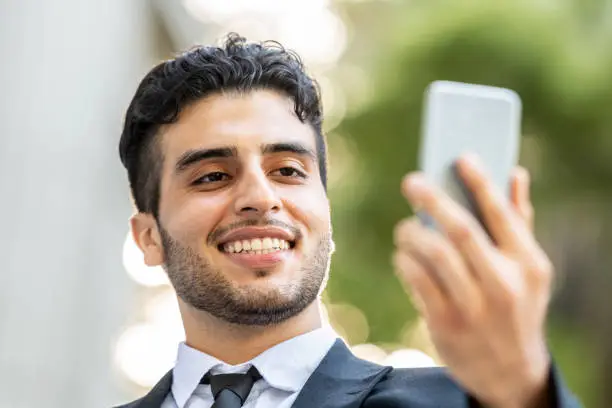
[[231, 390]]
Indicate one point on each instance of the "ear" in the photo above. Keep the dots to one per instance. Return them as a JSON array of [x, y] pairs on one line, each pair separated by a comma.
[[146, 235]]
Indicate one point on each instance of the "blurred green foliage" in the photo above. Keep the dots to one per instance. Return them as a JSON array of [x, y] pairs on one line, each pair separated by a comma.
[[557, 55]]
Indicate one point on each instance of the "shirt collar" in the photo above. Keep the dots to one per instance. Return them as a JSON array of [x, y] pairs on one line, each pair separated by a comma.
[[286, 366]]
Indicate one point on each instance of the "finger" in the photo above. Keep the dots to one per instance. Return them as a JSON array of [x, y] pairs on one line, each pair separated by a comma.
[[505, 226], [537, 265], [441, 258], [483, 259], [464, 231], [520, 197], [426, 293]]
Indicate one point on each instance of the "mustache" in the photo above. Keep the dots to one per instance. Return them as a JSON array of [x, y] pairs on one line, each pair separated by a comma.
[[215, 235]]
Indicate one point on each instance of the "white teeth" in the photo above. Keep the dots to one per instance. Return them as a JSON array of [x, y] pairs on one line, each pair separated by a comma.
[[257, 246], [266, 243]]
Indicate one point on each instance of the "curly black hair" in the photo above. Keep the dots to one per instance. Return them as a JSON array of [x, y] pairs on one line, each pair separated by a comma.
[[172, 85]]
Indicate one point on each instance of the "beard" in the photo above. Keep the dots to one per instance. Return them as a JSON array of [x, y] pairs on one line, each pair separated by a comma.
[[205, 288]]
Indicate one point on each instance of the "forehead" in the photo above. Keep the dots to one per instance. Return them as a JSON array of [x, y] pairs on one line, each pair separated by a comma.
[[241, 120]]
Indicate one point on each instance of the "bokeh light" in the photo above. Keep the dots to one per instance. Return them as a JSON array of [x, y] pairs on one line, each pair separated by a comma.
[[349, 322], [357, 87], [320, 37], [145, 352], [369, 352], [415, 334], [247, 26], [162, 309], [219, 11], [333, 101], [409, 358], [344, 171], [317, 33]]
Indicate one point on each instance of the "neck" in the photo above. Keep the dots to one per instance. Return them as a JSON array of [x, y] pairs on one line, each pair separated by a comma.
[[236, 344]]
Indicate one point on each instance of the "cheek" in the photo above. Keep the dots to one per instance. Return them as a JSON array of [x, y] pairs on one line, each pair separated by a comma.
[[311, 208], [194, 218]]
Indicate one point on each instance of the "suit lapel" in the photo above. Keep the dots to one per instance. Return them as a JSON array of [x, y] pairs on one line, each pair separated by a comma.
[[341, 380], [158, 394]]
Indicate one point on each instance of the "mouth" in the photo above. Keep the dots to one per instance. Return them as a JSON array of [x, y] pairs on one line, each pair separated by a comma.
[[259, 248], [256, 246]]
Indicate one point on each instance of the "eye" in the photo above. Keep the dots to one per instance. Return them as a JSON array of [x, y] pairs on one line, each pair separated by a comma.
[[213, 177], [289, 172]]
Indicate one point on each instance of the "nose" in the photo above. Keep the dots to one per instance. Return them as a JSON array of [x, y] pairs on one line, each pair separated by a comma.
[[256, 195]]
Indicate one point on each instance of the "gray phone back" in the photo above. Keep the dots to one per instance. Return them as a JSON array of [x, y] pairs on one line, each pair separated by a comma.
[[460, 118]]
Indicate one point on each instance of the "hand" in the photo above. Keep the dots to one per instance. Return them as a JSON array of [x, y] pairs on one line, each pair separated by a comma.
[[484, 300]]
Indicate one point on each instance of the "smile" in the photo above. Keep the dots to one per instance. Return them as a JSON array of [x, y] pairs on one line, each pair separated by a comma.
[[257, 246]]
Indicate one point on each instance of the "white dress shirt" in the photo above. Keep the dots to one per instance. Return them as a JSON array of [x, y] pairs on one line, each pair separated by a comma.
[[285, 368]]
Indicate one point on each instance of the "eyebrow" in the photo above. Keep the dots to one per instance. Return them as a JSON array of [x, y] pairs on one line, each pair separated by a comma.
[[191, 157], [295, 148]]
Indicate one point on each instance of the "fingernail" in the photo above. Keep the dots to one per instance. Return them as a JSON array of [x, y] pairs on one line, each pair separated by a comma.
[[415, 183], [414, 186], [472, 160], [523, 175]]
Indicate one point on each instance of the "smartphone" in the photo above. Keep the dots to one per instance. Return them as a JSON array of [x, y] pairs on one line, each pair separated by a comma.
[[460, 118]]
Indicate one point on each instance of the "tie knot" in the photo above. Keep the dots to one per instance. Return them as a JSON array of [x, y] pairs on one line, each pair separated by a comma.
[[239, 384]]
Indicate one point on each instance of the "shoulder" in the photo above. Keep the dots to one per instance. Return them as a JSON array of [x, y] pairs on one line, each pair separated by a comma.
[[156, 397], [422, 387]]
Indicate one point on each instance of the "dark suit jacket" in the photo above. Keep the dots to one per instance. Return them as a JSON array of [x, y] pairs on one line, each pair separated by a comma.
[[345, 381]]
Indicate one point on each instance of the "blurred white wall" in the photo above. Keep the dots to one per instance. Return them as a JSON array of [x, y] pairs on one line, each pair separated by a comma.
[[67, 71]]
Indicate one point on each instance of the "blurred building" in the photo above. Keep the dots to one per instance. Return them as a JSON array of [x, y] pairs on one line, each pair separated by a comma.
[[68, 70], [76, 331]]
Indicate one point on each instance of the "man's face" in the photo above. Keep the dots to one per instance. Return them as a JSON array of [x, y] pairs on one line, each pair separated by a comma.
[[244, 223]]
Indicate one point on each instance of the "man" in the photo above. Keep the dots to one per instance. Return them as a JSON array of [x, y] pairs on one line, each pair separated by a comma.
[[227, 165]]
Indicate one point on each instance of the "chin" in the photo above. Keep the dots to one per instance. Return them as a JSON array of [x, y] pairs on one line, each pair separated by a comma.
[[266, 281]]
